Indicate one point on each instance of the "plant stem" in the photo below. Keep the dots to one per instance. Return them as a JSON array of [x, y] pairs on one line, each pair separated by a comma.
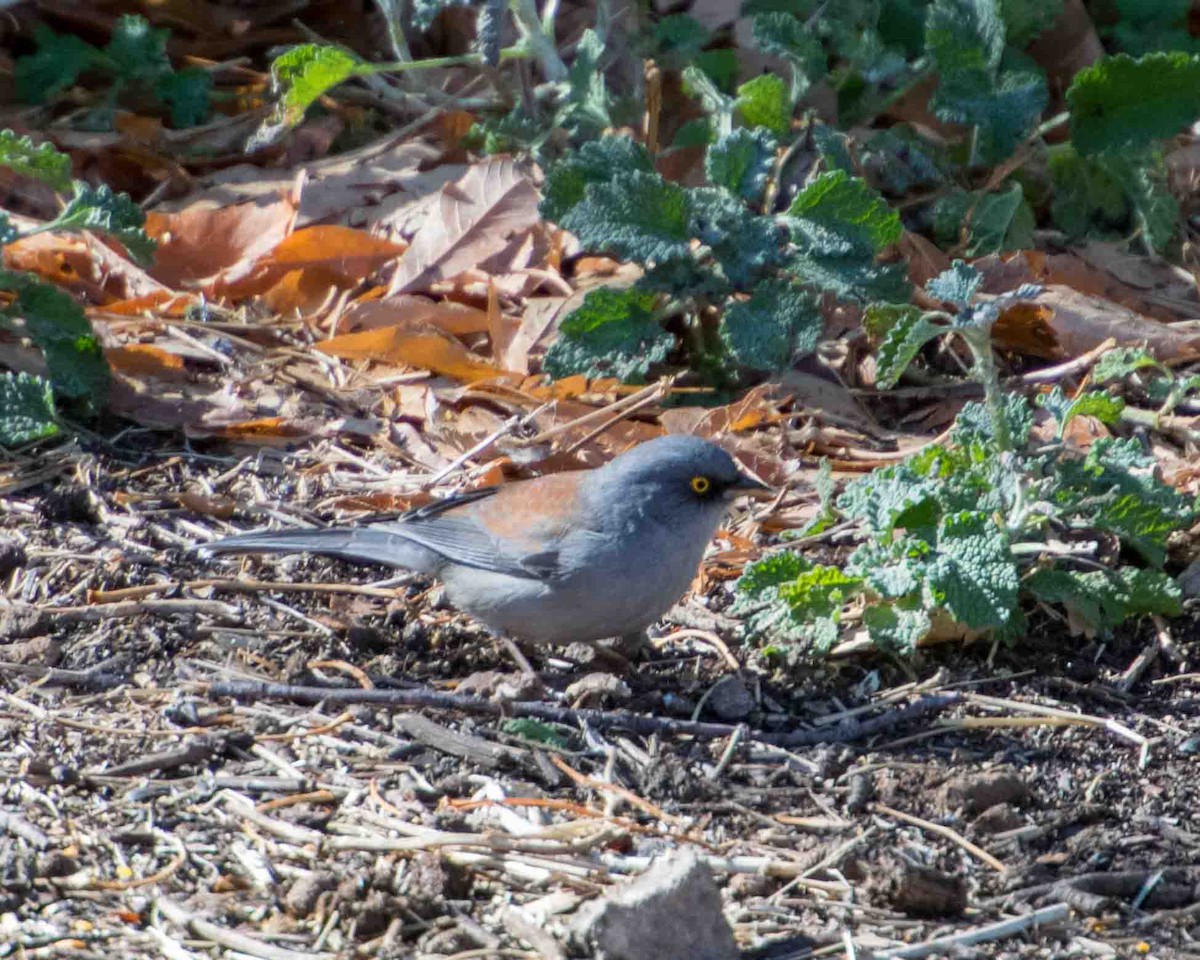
[[533, 32], [979, 340]]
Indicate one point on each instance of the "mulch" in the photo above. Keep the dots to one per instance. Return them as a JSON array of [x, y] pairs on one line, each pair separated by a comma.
[[144, 813]]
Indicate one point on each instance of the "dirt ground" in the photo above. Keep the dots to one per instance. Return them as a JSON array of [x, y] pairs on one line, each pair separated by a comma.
[[140, 816]]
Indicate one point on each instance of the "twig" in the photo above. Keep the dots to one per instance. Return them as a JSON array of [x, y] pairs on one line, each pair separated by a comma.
[[1061, 370], [707, 636], [1162, 643], [985, 934], [600, 719], [942, 831], [231, 939]]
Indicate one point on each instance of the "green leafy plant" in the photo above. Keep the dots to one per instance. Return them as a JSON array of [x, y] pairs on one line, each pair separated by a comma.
[[134, 61], [741, 286], [961, 537], [76, 369]]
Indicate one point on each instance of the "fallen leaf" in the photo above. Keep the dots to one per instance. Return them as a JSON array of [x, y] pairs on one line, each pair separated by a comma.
[[147, 360], [477, 216], [453, 318], [415, 345]]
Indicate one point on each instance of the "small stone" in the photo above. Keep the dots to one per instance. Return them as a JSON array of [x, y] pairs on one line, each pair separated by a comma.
[[915, 889], [301, 898], [730, 701], [998, 818], [975, 792], [12, 556], [595, 688], [671, 912]]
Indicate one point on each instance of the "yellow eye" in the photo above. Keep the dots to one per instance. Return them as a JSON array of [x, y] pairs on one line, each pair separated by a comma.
[[701, 485]]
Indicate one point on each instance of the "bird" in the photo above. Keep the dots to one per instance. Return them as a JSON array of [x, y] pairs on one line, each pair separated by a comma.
[[562, 558]]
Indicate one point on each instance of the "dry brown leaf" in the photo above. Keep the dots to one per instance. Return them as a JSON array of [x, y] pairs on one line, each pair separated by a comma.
[[419, 345], [1063, 322], [453, 318], [476, 218], [147, 360], [205, 248]]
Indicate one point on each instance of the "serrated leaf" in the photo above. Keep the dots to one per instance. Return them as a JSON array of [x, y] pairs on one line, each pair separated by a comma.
[[1092, 403], [720, 66], [137, 51], [742, 244], [27, 411], [1122, 102], [820, 591], [1025, 20], [896, 628], [613, 333], [58, 62], [837, 213], [882, 498], [985, 223], [678, 37], [1143, 177], [897, 161], [306, 72], [1120, 362], [765, 102], [777, 324], [57, 325], [635, 216], [41, 161], [694, 133], [760, 578], [1003, 107], [958, 284], [187, 93], [718, 105], [586, 107], [905, 330], [973, 574], [597, 161], [783, 35], [853, 277], [98, 208], [1099, 600], [741, 162], [964, 36], [974, 427]]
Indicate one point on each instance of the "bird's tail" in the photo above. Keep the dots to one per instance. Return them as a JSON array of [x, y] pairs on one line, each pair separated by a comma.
[[360, 544]]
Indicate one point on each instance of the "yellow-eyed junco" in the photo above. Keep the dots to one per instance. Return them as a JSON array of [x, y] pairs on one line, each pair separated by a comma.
[[561, 558]]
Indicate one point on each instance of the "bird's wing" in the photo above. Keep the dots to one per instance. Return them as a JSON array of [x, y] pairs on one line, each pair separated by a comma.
[[513, 529]]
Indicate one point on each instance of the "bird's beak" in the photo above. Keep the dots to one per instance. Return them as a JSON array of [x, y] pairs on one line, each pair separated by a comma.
[[748, 485]]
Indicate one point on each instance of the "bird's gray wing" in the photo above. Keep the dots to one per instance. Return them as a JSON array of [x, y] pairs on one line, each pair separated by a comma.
[[375, 544]]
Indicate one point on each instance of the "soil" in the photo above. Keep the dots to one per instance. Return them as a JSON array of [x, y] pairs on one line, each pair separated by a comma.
[[141, 817]]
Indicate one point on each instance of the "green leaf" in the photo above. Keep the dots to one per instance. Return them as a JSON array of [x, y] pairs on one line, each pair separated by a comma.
[[742, 162], [1144, 180], [1099, 600], [717, 104], [964, 36], [784, 598], [137, 51], [765, 102], [306, 72], [678, 37], [1086, 195], [1120, 362], [613, 333], [782, 35], [895, 627], [764, 577], [973, 427], [585, 110], [820, 591], [98, 208], [57, 325], [742, 245], [973, 573], [905, 330], [59, 61], [41, 161], [535, 731], [778, 323], [1092, 403], [187, 93], [27, 411], [957, 285], [635, 216], [1024, 20], [986, 223], [1122, 102], [837, 214], [889, 497], [1003, 107], [597, 161], [720, 66], [897, 161]]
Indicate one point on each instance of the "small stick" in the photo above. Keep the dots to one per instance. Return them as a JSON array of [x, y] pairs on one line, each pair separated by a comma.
[[985, 934], [1163, 644], [942, 831]]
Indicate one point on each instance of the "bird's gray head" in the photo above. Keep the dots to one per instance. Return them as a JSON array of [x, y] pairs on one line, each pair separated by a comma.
[[674, 473]]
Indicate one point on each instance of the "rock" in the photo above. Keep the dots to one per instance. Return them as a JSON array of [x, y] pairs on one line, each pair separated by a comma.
[[997, 819], [730, 701], [594, 688], [671, 912], [301, 898], [975, 792], [915, 889]]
